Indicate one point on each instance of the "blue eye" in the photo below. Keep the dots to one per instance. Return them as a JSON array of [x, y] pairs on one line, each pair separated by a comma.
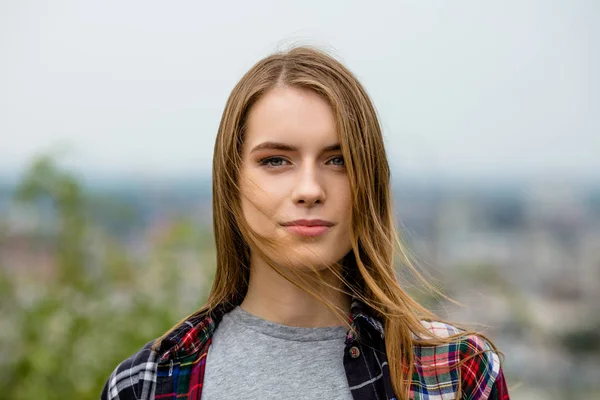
[[338, 161], [273, 162]]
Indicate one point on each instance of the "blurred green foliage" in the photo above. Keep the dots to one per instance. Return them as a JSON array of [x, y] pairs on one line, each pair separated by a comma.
[[63, 331]]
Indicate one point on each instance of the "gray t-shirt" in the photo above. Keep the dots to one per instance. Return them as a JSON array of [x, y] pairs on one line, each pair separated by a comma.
[[251, 358]]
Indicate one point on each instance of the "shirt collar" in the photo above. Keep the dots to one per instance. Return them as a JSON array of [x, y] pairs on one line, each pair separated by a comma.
[[360, 313], [195, 332]]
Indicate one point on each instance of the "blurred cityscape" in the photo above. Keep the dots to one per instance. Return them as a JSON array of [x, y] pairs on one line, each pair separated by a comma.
[[91, 272]]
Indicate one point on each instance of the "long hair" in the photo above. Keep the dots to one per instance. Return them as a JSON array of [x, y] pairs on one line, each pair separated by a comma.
[[370, 272]]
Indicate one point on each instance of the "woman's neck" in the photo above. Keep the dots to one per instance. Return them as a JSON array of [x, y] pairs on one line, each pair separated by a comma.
[[273, 298]]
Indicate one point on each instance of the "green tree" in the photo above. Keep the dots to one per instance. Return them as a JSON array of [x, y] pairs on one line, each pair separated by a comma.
[[65, 332]]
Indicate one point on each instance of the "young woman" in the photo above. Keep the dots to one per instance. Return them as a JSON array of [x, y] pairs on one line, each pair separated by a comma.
[[305, 303]]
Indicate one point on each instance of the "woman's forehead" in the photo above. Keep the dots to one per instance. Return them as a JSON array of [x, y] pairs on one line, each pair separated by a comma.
[[295, 117]]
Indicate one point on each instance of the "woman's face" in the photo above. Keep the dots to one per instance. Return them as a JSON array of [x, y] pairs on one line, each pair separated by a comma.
[[293, 181]]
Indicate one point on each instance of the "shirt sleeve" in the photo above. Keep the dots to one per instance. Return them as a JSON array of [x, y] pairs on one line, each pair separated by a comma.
[[500, 390], [481, 375], [134, 378]]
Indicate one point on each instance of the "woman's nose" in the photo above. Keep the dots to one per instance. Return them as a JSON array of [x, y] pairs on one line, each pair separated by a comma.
[[309, 189]]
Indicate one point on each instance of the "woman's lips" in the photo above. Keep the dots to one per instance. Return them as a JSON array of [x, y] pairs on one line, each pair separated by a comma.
[[307, 231]]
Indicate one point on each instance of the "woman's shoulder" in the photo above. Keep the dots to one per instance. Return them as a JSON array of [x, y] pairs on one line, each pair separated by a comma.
[[449, 356], [452, 339], [134, 378]]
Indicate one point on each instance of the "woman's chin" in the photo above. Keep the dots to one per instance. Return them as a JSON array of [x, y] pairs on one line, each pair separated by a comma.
[[311, 263]]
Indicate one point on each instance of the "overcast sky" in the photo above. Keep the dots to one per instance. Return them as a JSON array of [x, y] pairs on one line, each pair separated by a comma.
[[463, 88]]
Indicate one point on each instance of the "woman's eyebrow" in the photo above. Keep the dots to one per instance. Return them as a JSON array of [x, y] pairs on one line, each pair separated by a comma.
[[287, 147]]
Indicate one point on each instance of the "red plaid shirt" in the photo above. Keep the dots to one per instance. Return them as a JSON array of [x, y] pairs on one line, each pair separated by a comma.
[[176, 370]]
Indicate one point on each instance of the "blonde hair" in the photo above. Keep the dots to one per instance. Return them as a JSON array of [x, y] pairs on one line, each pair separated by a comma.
[[370, 268]]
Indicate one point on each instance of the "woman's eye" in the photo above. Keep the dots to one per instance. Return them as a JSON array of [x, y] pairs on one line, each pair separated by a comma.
[[339, 161], [273, 162]]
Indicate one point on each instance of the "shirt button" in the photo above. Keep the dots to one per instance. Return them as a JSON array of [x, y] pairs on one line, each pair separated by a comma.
[[354, 352]]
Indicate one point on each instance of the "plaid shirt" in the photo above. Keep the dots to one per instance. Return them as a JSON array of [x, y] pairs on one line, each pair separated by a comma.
[[176, 370]]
